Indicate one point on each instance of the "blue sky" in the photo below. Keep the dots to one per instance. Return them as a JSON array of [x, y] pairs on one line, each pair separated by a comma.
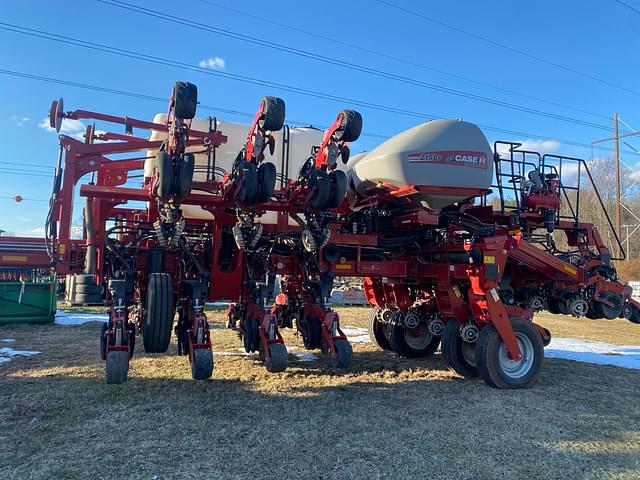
[[595, 37]]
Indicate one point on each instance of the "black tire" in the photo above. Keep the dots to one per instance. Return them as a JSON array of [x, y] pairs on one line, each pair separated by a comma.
[[563, 307], [89, 289], [231, 321], [635, 315], [343, 357], [351, 126], [88, 298], [338, 181], [266, 181], [553, 306], [132, 340], [248, 176], [319, 180], [186, 100], [458, 356], [273, 114], [202, 365], [117, 367], [494, 366], [403, 340], [85, 279], [160, 310], [185, 177], [376, 330], [165, 174], [279, 358], [251, 340], [610, 312], [103, 341], [311, 332]]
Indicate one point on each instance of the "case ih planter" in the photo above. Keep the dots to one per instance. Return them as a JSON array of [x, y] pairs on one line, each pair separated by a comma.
[[230, 207]]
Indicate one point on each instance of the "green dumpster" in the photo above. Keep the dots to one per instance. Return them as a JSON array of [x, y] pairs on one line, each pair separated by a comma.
[[29, 300]]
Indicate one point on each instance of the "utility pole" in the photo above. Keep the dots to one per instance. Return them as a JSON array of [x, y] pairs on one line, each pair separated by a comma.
[[616, 160]]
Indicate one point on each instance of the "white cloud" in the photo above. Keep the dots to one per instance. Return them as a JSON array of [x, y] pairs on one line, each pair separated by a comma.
[[70, 127], [19, 121], [37, 232], [213, 63]]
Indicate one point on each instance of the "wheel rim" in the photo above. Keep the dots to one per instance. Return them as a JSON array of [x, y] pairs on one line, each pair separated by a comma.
[[419, 341], [468, 351], [517, 368]]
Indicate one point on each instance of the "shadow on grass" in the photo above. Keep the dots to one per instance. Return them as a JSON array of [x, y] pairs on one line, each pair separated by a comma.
[[384, 417]]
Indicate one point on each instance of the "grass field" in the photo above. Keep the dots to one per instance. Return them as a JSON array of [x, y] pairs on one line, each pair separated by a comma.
[[385, 417]]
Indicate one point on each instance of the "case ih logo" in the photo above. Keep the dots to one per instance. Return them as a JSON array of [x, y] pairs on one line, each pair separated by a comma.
[[453, 157]]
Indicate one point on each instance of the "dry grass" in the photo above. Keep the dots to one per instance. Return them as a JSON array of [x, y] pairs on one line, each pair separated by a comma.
[[385, 417]]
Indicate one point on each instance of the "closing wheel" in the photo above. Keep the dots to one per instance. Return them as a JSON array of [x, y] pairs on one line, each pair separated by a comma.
[[185, 176], [272, 114], [311, 332], [117, 366], [266, 181], [343, 356], [156, 327], [458, 354], [413, 342], [248, 178], [496, 367], [351, 126], [610, 312], [376, 330], [279, 358], [164, 166], [338, 181], [202, 365], [319, 180], [251, 340], [185, 100]]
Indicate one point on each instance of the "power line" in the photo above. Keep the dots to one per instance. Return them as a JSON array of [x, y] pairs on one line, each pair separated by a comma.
[[142, 96], [630, 7], [272, 21], [509, 48], [159, 99], [343, 64], [20, 173], [28, 165]]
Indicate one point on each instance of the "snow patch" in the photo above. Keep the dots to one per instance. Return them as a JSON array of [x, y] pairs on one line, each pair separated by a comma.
[[217, 304], [8, 340], [7, 354], [357, 334], [598, 353], [66, 317], [306, 356]]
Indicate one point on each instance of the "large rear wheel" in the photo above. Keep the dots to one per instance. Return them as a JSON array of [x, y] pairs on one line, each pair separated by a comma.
[[496, 367], [159, 313]]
